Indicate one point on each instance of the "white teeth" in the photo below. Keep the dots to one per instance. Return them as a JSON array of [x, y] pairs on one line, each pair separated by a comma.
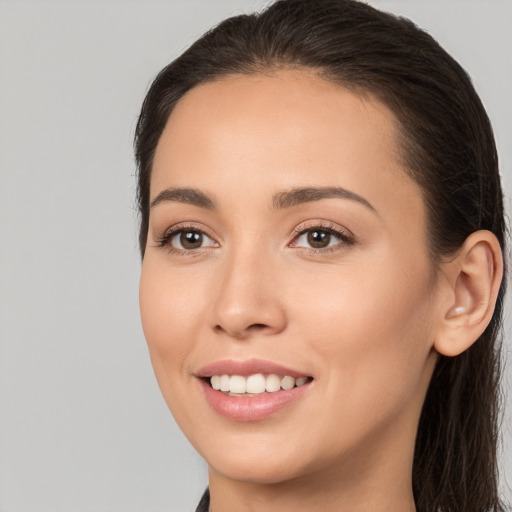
[[237, 384], [273, 383], [215, 382], [301, 381], [224, 383], [288, 382], [254, 384]]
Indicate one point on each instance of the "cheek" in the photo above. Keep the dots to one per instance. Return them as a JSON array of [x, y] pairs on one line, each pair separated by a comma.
[[170, 306], [369, 328], [169, 299], [169, 312]]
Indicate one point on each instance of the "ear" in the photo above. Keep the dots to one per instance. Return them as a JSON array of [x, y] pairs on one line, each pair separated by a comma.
[[470, 288]]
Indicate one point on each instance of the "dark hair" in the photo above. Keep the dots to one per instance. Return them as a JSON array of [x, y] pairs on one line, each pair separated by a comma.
[[447, 147]]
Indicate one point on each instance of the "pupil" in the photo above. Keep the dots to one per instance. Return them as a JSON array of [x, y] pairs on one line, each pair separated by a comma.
[[191, 239], [319, 239]]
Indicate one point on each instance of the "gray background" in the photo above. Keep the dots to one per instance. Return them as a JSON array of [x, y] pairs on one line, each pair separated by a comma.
[[82, 423]]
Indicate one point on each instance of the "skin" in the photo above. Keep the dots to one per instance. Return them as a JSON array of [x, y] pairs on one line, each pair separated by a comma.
[[362, 317]]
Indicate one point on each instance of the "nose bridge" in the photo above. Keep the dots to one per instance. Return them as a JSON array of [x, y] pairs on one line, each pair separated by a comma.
[[247, 299]]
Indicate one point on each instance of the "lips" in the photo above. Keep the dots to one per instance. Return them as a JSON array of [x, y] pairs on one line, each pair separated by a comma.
[[246, 368], [251, 390]]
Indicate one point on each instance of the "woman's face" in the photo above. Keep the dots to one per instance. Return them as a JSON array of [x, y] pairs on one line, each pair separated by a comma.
[[286, 240]]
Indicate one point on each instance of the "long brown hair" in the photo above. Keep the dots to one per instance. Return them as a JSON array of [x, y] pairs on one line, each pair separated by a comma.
[[448, 149]]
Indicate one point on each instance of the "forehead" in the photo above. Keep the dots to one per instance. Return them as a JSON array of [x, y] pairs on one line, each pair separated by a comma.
[[289, 106], [294, 105], [290, 124]]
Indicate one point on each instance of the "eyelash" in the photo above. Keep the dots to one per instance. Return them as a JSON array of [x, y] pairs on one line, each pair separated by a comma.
[[346, 239], [165, 240]]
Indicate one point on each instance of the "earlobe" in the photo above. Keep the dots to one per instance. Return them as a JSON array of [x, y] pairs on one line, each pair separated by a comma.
[[472, 283]]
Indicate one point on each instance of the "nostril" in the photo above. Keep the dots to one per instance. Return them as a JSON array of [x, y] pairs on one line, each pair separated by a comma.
[[257, 327], [241, 332]]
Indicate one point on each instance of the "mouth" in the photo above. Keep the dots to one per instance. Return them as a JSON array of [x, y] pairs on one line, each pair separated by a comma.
[[256, 384], [251, 390]]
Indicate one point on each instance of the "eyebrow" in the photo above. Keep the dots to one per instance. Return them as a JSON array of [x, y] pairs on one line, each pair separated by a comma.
[[280, 200], [308, 194], [185, 195]]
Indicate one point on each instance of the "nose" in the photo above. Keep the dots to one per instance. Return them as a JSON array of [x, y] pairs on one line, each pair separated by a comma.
[[248, 300]]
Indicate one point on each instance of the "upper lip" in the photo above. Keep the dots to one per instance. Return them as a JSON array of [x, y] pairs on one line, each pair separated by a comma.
[[245, 368]]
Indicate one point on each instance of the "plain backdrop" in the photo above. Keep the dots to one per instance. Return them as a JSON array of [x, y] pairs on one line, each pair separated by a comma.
[[83, 427]]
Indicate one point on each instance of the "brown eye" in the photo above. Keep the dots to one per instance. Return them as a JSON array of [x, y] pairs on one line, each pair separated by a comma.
[[318, 239], [191, 239], [187, 240]]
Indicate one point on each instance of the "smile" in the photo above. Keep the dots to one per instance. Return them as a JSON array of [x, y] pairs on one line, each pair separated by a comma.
[[256, 384], [251, 390]]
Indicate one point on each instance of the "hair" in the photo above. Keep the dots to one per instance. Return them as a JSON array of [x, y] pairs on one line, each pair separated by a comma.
[[447, 147]]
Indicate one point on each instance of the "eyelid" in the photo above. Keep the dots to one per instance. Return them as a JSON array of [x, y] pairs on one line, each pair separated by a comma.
[[165, 239], [346, 237]]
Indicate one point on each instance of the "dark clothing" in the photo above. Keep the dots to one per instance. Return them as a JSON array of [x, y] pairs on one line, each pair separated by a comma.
[[204, 504]]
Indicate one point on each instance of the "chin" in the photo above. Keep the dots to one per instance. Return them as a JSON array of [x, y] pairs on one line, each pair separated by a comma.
[[261, 471], [264, 459]]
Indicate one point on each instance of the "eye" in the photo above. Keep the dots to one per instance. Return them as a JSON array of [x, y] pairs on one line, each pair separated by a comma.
[[186, 240], [322, 237]]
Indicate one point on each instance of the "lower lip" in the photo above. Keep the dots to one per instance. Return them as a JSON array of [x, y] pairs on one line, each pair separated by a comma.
[[254, 408]]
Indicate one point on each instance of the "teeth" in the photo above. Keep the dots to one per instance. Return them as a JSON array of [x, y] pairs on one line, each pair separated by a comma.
[[288, 382], [224, 382], [301, 381], [255, 384], [273, 383], [215, 382], [237, 384]]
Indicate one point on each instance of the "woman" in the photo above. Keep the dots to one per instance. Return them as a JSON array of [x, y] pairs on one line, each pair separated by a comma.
[[322, 234]]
